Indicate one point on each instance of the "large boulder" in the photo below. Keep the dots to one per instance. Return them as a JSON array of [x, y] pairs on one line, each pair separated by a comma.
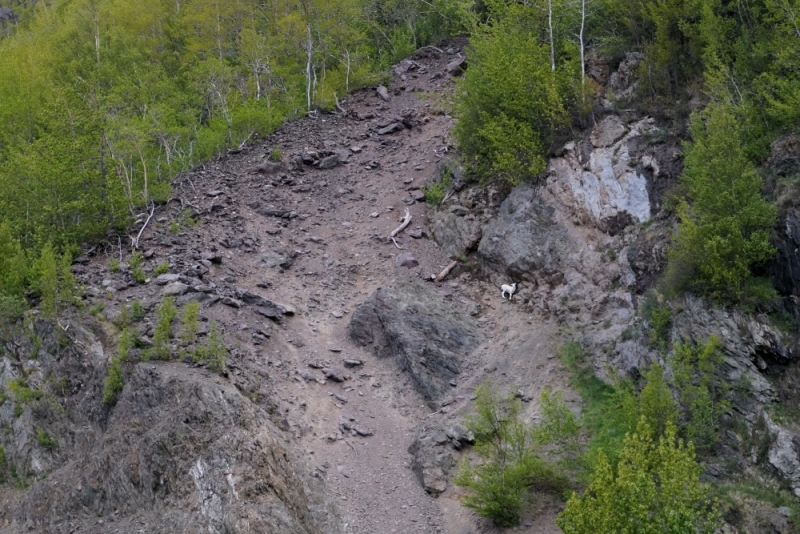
[[454, 232], [427, 337], [524, 238]]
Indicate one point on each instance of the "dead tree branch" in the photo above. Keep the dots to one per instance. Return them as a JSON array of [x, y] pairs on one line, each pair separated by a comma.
[[446, 271], [135, 241], [406, 220]]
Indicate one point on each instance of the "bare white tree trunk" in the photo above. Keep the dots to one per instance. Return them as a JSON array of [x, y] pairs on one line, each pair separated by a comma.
[[309, 51], [552, 40], [583, 59]]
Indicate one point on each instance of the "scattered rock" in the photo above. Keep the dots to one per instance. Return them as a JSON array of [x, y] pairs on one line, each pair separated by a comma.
[[352, 362], [383, 92], [329, 162], [362, 430], [232, 302], [392, 128], [343, 470], [337, 375], [164, 279], [457, 66], [175, 289], [405, 259]]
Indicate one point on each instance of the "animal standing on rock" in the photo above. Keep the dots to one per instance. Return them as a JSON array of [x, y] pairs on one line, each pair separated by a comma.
[[510, 289]]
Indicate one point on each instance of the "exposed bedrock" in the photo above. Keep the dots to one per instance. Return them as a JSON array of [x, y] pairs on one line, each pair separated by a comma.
[[182, 451], [524, 238], [427, 337]]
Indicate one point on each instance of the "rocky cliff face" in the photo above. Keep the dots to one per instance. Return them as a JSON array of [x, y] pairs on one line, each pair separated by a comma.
[[182, 451], [588, 243]]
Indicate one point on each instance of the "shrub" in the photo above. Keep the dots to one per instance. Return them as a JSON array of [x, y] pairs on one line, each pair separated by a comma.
[[656, 490], [45, 441], [14, 270], [23, 394], [508, 462], [137, 310], [53, 280], [163, 268], [166, 313], [213, 353], [275, 154], [3, 465], [509, 103], [114, 379], [189, 322], [136, 267], [434, 192], [702, 397]]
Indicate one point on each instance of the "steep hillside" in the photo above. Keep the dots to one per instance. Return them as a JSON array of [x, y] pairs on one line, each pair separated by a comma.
[[350, 359]]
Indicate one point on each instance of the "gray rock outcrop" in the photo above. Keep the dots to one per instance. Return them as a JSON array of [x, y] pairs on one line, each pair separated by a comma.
[[600, 181], [524, 238], [784, 453], [182, 451], [426, 336]]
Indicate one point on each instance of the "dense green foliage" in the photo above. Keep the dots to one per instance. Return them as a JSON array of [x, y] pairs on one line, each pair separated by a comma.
[[104, 102], [509, 453], [655, 488], [641, 476], [726, 228], [511, 101]]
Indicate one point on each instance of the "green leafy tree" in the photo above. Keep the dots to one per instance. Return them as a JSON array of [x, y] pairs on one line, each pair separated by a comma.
[[702, 394], [726, 228], [656, 489], [509, 104]]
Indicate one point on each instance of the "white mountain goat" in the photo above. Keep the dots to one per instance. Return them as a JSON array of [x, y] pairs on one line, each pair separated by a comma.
[[509, 289]]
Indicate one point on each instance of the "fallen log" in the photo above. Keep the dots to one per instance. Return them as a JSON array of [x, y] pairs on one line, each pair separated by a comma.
[[446, 271]]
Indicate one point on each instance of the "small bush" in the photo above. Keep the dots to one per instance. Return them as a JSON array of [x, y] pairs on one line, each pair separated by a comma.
[[166, 314], [45, 441], [3, 465], [702, 397], [507, 449], [114, 379], [184, 221], [275, 154], [163, 268], [189, 322], [434, 192], [136, 267], [22, 393], [655, 489], [113, 265], [213, 353], [138, 311]]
